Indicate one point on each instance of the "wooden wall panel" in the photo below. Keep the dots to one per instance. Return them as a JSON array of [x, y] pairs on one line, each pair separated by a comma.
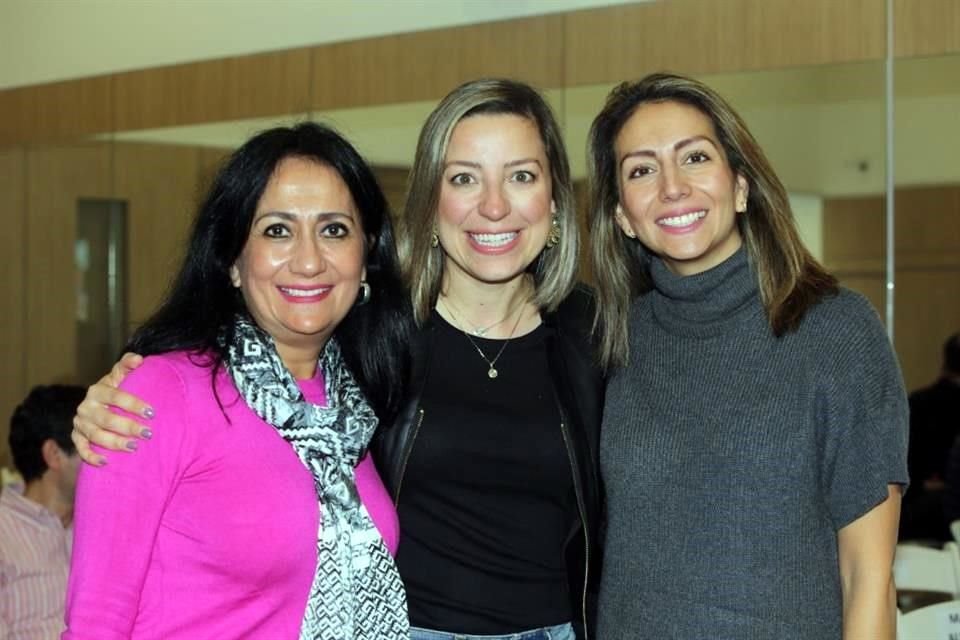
[[927, 310], [926, 27], [427, 64], [211, 159], [927, 264], [161, 186], [56, 178], [213, 90], [581, 196], [565, 49], [393, 181], [711, 36], [13, 357], [56, 111], [927, 227], [854, 235], [18, 115]]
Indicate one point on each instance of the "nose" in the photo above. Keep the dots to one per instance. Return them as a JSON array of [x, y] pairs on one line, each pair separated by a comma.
[[308, 259], [673, 184], [495, 204]]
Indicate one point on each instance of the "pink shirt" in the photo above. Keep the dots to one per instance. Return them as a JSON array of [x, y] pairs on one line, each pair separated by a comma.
[[34, 558], [209, 530]]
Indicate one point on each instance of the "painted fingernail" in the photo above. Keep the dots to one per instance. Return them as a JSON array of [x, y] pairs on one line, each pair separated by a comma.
[[148, 412], [146, 433], [131, 445], [101, 462]]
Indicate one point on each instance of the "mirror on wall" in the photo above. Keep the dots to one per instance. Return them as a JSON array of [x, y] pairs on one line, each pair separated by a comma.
[[927, 230], [100, 263]]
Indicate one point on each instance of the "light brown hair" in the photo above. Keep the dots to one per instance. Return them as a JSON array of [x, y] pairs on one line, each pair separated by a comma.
[[554, 270]]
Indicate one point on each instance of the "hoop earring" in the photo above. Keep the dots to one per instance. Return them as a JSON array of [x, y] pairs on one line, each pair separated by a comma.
[[553, 238], [365, 293]]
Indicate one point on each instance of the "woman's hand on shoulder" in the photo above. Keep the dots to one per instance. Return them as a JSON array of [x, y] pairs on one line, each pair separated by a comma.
[[96, 423]]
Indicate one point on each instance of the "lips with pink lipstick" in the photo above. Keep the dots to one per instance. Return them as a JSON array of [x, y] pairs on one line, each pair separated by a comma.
[[494, 243], [303, 295], [683, 221]]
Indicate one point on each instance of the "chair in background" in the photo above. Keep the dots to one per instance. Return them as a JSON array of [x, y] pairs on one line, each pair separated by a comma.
[[925, 569], [936, 622]]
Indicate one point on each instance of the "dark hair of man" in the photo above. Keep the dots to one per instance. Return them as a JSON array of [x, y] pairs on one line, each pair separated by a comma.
[[951, 355], [790, 278], [202, 301], [45, 414]]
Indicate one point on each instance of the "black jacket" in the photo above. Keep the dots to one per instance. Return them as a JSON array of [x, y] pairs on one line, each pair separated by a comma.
[[578, 387]]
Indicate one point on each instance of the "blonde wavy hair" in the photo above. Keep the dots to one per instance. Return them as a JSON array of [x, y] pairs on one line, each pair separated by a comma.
[[554, 270]]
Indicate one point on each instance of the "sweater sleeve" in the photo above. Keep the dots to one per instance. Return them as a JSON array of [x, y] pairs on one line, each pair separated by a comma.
[[866, 416], [118, 511]]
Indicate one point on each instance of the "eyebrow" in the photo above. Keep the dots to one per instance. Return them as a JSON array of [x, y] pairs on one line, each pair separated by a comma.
[[648, 153], [292, 217], [476, 165]]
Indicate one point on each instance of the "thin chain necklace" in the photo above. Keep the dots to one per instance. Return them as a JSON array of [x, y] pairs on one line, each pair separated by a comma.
[[481, 331], [492, 371]]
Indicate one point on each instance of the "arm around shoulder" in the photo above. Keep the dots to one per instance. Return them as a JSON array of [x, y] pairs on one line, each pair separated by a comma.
[[118, 511]]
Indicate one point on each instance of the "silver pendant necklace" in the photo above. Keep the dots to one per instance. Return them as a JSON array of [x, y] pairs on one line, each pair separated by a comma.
[[481, 331], [492, 370]]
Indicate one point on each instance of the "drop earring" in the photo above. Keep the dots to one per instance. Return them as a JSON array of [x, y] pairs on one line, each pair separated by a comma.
[[365, 293], [553, 238]]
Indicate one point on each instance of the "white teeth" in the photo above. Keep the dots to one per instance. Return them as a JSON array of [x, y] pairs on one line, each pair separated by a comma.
[[493, 239], [682, 221], [303, 293]]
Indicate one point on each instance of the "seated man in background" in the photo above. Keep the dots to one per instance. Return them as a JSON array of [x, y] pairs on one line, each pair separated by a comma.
[[934, 426], [35, 534]]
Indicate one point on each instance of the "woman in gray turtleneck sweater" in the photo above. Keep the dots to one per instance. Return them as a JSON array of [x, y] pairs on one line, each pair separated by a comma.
[[754, 436]]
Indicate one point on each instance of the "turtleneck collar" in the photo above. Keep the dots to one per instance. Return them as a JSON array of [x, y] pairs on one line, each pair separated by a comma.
[[706, 303]]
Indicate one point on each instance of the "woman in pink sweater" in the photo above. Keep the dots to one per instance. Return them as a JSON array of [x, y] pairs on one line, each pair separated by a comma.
[[269, 364]]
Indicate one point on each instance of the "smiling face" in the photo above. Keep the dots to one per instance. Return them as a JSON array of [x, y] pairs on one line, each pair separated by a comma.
[[678, 194], [301, 267], [495, 201]]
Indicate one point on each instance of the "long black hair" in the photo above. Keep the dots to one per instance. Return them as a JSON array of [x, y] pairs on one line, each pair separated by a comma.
[[202, 303]]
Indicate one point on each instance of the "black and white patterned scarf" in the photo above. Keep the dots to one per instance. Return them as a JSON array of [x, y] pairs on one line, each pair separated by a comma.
[[356, 592]]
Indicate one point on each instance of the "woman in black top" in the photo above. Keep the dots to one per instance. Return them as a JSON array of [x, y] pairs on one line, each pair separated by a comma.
[[492, 459]]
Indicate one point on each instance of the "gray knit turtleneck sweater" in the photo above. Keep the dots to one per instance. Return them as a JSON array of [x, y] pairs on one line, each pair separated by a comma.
[[731, 458]]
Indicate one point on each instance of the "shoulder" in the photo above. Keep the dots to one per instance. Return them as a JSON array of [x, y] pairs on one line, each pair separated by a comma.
[[848, 348], [175, 380], [573, 324], [846, 322], [576, 311], [581, 301], [845, 306], [177, 368]]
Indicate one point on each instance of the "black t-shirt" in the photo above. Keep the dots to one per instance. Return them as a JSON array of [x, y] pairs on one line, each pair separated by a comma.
[[487, 498]]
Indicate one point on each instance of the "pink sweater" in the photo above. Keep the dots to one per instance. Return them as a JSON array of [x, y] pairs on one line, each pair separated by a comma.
[[209, 530]]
